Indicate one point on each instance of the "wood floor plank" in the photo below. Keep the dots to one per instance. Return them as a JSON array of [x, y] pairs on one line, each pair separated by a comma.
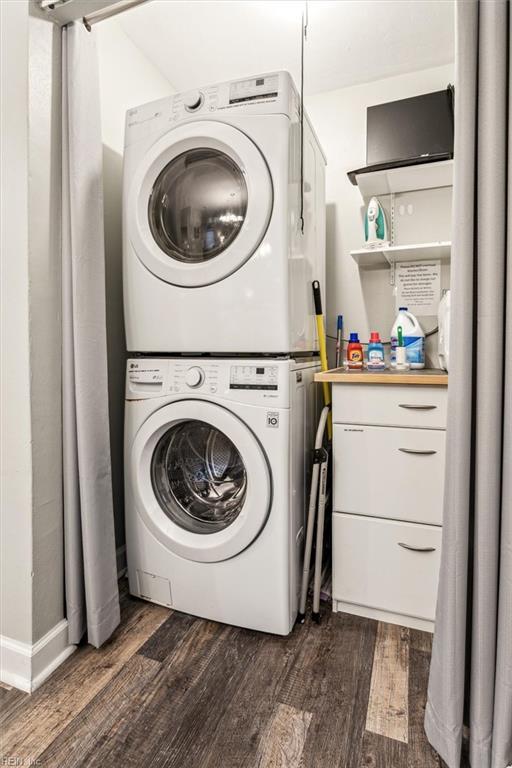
[[246, 718], [377, 751], [168, 636], [160, 706], [421, 754], [41, 717], [9, 698], [117, 701], [388, 703], [302, 686], [420, 641], [335, 682], [284, 740], [202, 713]]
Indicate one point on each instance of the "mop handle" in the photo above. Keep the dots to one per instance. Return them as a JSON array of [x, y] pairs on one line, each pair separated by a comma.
[[321, 330], [323, 349]]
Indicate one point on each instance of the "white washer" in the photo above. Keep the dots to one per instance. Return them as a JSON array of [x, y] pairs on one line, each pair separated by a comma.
[[218, 454], [214, 257]]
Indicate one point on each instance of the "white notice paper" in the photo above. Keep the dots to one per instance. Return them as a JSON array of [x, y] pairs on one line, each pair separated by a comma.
[[418, 286]]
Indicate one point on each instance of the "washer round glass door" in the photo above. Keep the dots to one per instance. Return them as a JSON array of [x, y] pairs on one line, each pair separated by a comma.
[[201, 479], [199, 204]]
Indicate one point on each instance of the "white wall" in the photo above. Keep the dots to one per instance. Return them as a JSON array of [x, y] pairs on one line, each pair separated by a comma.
[[45, 320], [16, 430], [127, 79], [32, 560], [364, 297]]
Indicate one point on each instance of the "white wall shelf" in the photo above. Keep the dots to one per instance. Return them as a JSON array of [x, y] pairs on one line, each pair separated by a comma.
[[386, 256], [406, 179]]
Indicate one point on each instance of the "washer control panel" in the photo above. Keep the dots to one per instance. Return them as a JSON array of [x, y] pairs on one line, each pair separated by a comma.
[[194, 377], [143, 373], [186, 375], [200, 376], [253, 377]]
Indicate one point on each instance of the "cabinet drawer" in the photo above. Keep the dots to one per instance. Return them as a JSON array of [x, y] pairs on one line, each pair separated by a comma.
[[389, 472], [372, 569], [399, 406]]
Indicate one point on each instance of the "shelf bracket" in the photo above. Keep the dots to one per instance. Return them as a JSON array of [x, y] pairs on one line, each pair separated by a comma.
[[392, 223], [392, 273]]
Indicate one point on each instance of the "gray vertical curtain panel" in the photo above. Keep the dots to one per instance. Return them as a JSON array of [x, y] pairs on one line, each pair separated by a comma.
[[471, 670], [92, 598]]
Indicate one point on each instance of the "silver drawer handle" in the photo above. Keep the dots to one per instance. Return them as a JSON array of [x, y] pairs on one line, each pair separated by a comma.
[[417, 451], [416, 549], [413, 407]]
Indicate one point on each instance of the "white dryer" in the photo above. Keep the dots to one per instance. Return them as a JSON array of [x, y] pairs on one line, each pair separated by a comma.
[[214, 256], [218, 453]]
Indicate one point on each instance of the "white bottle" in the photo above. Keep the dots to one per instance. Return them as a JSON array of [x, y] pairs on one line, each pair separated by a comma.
[[414, 339], [444, 331]]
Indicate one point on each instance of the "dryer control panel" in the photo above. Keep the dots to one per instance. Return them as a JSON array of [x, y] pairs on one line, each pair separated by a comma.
[[271, 93], [265, 87]]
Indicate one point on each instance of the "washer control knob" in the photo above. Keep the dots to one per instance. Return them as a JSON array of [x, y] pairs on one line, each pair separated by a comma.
[[193, 100], [194, 377]]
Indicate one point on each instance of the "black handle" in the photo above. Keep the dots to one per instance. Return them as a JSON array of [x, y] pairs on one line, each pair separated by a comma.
[[317, 297], [416, 549], [413, 407]]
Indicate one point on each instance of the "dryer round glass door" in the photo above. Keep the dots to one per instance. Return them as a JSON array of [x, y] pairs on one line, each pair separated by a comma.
[[201, 480], [199, 204]]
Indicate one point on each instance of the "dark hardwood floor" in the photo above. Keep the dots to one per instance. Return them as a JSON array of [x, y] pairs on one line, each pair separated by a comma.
[[171, 690]]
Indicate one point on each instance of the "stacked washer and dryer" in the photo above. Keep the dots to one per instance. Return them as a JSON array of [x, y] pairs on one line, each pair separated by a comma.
[[220, 401]]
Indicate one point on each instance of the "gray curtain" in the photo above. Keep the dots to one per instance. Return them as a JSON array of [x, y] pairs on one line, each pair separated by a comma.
[[92, 598], [471, 670]]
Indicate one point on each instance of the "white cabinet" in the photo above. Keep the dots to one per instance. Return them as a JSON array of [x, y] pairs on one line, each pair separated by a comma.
[[389, 456], [388, 567], [387, 472], [395, 406]]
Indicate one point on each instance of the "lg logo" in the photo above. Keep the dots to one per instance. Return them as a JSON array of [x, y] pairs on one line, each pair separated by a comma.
[[272, 419]]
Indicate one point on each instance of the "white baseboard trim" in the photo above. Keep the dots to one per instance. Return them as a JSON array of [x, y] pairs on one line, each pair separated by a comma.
[[339, 606], [27, 666], [121, 561]]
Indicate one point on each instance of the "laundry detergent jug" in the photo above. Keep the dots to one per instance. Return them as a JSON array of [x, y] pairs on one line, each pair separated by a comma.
[[414, 339]]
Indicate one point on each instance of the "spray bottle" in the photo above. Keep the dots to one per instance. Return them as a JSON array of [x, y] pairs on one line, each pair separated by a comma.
[[401, 363]]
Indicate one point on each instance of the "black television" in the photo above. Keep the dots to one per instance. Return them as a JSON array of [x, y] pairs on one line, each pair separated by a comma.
[[408, 132]]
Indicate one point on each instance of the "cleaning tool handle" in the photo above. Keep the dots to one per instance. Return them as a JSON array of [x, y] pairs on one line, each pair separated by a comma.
[[322, 348], [317, 297], [339, 341]]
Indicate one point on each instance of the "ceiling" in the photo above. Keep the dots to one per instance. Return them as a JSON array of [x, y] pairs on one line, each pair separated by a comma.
[[194, 43]]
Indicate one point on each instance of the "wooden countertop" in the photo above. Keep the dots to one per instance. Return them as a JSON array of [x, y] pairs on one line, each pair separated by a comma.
[[427, 376]]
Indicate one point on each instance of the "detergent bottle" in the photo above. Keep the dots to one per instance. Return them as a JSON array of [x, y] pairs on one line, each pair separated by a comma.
[[355, 356], [375, 353], [414, 339]]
